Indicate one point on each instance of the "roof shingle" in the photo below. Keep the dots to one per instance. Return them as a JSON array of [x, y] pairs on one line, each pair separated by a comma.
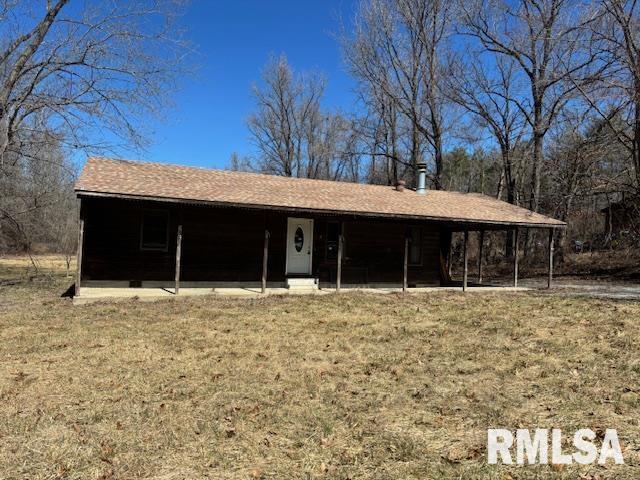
[[103, 176]]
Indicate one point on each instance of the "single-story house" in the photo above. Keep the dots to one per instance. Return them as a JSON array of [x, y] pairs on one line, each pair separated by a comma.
[[154, 224]]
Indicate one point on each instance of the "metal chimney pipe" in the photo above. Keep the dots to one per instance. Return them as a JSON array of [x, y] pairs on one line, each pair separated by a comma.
[[421, 189]]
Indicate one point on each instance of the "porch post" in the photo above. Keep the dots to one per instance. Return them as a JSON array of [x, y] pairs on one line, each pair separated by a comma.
[[178, 253], [480, 251], [265, 260], [550, 279], [80, 248], [465, 273], [406, 262], [516, 254], [339, 260], [450, 257]]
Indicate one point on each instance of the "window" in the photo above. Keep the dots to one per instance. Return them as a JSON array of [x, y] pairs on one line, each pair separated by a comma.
[[154, 231], [415, 246], [298, 239], [333, 234]]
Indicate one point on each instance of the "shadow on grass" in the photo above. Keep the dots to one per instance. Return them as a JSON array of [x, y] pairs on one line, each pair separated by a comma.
[[69, 292]]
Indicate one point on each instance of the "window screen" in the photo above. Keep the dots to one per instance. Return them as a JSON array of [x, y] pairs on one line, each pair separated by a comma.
[[155, 231]]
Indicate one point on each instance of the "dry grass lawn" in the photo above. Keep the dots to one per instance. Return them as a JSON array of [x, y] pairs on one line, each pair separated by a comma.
[[343, 386]]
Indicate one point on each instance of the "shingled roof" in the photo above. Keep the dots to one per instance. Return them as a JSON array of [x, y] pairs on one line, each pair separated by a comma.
[[164, 182]]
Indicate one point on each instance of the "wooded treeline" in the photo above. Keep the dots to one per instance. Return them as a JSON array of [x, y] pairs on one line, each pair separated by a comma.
[[536, 102]]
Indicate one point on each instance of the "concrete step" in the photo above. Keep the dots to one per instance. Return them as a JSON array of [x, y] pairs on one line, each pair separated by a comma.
[[302, 283]]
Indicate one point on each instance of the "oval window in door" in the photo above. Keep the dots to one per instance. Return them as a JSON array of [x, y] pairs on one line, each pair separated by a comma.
[[298, 239]]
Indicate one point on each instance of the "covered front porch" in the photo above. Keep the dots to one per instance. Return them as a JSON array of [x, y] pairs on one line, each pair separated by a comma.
[[155, 250], [473, 274]]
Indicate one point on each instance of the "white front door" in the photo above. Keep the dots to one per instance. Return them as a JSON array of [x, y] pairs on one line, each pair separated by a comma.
[[299, 246]]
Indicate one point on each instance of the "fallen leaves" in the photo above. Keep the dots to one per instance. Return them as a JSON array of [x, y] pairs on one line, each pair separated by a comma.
[[349, 386]]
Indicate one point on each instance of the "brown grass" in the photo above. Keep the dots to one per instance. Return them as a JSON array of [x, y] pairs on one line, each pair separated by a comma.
[[622, 264], [347, 386]]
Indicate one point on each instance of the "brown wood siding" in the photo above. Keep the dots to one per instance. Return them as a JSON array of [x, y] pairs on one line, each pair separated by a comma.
[[217, 244], [226, 244], [428, 273], [112, 243], [374, 253]]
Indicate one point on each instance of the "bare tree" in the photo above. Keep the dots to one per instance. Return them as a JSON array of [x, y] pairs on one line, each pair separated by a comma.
[[293, 134], [37, 196], [545, 39], [381, 136], [489, 95], [328, 138], [284, 105], [396, 54], [99, 66], [239, 163], [82, 74], [576, 165], [381, 131], [616, 98]]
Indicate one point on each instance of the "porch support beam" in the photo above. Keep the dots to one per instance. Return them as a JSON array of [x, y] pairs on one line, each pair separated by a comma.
[[265, 260], [406, 262], [465, 273], [516, 255], [339, 259], [551, 248], [480, 252], [80, 248], [450, 257], [178, 253]]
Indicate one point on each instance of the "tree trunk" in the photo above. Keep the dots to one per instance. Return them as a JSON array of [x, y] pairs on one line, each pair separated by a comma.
[[500, 188], [537, 136], [394, 147], [510, 184], [635, 147], [437, 180], [534, 203], [415, 149], [536, 167]]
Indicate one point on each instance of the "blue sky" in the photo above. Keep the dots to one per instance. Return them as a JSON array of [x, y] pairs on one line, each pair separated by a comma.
[[234, 40]]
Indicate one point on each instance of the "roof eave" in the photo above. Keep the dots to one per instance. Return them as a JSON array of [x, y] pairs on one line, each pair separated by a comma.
[[90, 193]]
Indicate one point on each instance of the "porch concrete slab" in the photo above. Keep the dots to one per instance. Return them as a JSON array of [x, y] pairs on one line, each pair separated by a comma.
[[97, 294]]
